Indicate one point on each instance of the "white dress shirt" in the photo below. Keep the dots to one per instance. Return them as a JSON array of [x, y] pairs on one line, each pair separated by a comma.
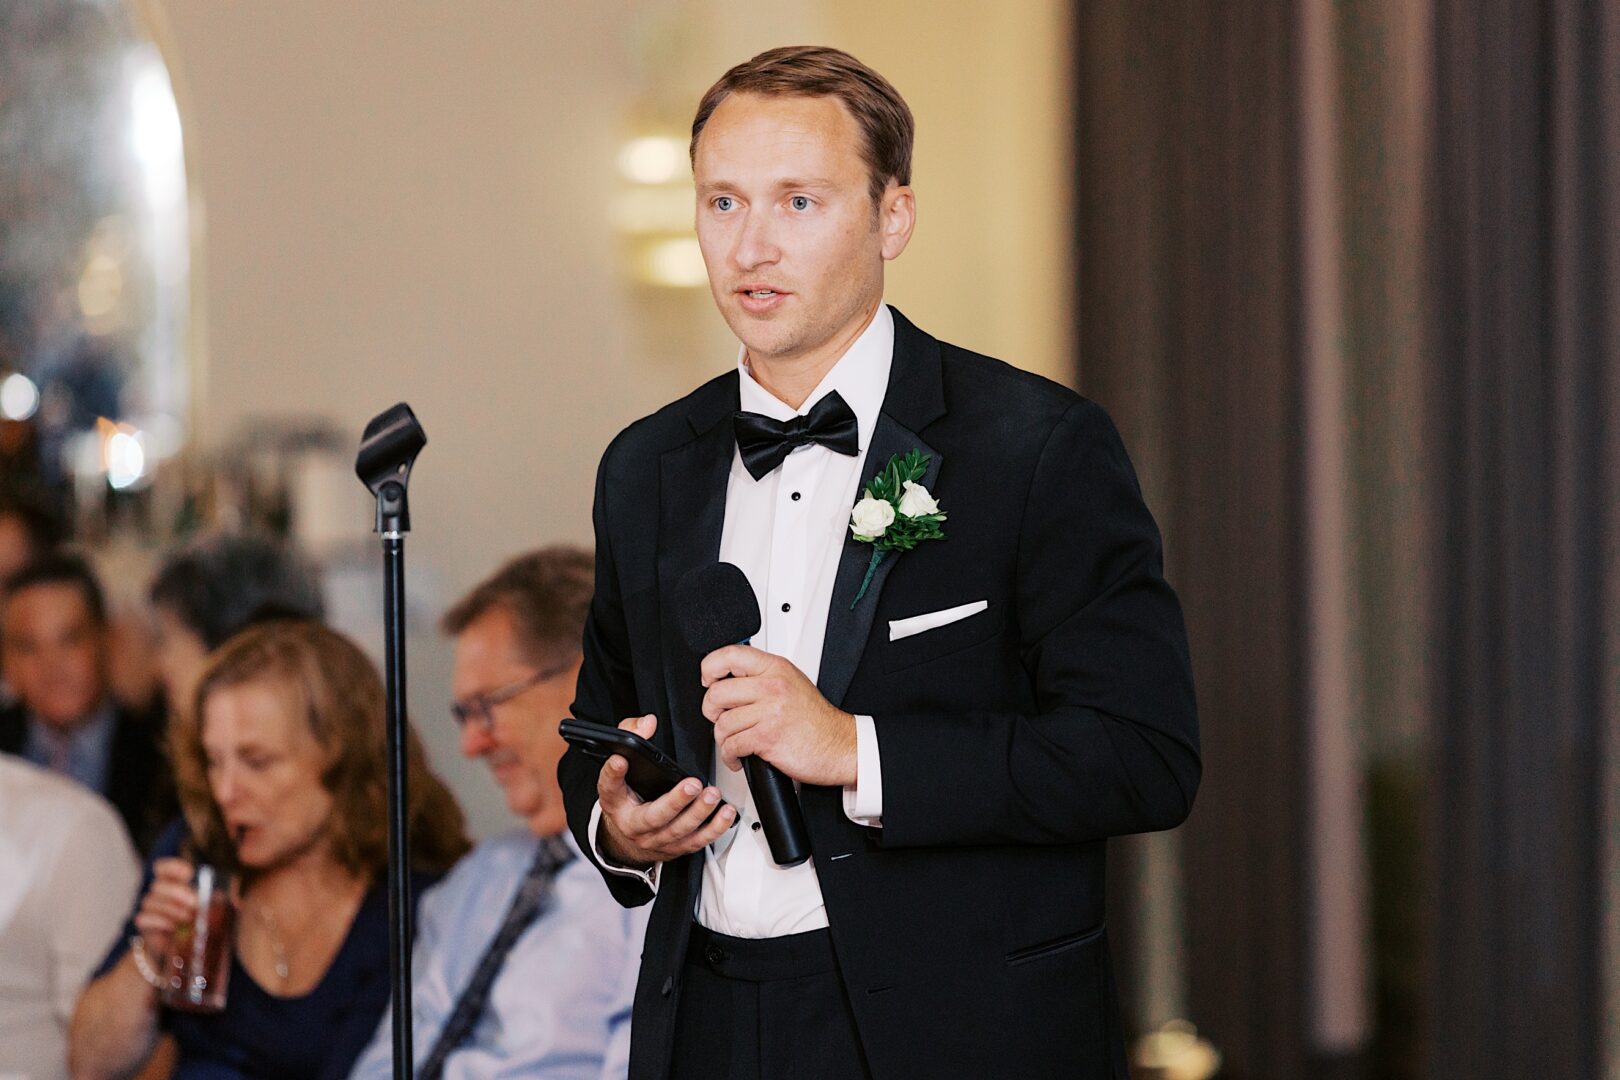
[[786, 532], [68, 882]]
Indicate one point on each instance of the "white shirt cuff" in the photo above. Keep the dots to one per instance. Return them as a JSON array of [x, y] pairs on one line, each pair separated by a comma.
[[647, 877], [863, 801]]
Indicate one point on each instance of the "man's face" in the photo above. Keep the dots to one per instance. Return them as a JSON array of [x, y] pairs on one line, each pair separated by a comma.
[[785, 219], [54, 652], [523, 747]]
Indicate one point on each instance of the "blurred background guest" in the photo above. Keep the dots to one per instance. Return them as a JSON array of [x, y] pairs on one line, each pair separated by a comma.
[[70, 874], [53, 643], [282, 783], [523, 962], [207, 591], [27, 532]]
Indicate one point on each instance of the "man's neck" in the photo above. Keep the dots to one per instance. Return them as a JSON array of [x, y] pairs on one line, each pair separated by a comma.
[[792, 379], [65, 730], [549, 822]]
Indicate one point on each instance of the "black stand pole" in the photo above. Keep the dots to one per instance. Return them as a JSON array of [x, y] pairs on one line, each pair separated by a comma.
[[387, 452], [399, 841]]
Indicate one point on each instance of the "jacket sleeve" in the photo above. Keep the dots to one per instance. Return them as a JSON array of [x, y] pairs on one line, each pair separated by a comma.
[[605, 693], [1112, 747]]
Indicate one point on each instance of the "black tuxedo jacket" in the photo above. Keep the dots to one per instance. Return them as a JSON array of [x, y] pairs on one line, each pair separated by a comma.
[[140, 785], [969, 928]]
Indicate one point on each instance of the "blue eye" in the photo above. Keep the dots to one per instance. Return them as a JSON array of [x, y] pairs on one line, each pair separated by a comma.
[[799, 202], [724, 203]]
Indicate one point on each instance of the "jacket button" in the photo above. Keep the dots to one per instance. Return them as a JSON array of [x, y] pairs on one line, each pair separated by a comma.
[[669, 985]]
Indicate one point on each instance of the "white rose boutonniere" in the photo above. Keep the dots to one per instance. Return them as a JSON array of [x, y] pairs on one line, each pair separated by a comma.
[[870, 518], [916, 501], [895, 512]]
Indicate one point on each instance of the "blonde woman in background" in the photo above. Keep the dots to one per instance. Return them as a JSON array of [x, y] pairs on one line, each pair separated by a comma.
[[282, 783]]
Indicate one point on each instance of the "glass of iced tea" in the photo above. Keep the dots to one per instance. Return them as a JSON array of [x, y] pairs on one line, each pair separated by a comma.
[[198, 966]]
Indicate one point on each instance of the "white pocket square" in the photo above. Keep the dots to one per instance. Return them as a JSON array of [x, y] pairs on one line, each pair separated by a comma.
[[904, 628]]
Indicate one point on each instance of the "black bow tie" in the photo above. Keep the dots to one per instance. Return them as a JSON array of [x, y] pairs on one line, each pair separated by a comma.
[[766, 443]]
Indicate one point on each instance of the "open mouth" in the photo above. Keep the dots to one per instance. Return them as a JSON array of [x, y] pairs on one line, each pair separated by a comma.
[[760, 299]]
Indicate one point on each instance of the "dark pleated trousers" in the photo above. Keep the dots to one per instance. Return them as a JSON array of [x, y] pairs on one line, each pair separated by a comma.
[[771, 1009]]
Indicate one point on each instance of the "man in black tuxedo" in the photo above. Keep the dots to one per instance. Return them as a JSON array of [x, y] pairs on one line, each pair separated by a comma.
[[968, 723], [53, 629]]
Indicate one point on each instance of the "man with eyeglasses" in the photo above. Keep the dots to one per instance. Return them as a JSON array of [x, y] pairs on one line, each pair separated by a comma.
[[524, 965]]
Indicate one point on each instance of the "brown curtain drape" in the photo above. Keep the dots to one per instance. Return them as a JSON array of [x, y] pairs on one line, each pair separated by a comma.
[[1188, 324], [1479, 289], [1526, 358]]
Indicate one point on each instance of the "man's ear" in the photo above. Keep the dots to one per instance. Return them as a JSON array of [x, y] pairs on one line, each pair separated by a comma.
[[897, 216]]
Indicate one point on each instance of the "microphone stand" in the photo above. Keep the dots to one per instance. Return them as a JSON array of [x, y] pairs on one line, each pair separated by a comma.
[[388, 449]]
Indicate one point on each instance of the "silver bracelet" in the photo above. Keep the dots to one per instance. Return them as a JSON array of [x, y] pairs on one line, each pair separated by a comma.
[[137, 949]]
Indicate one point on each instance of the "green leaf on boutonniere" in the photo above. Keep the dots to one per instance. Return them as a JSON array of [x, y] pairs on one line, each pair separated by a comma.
[[895, 512]]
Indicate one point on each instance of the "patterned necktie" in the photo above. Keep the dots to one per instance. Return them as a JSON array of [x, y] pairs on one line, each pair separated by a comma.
[[766, 443], [58, 750], [531, 896]]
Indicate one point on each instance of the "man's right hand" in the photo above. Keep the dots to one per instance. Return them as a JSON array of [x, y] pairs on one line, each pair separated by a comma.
[[637, 834]]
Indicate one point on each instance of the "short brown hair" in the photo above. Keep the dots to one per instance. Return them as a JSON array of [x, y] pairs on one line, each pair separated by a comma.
[[817, 71], [61, 568], [547, 593], [327, 680]]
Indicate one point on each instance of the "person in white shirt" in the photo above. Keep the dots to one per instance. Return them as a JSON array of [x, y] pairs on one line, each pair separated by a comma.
[[69, 877], [968, 657]]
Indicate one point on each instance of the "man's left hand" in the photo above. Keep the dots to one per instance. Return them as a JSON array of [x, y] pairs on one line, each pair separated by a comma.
[[762, 705]]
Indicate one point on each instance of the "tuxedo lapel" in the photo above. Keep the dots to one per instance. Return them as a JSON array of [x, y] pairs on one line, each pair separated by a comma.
[[691, 515], [913, 400], [848, 626]]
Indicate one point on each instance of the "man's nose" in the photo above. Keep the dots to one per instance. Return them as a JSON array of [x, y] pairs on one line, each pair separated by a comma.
[[475, 740], [55, 663], [756, 243]]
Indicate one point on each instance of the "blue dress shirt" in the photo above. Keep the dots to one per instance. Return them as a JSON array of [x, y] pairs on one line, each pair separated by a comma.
[[89, 747], [560, 1007]]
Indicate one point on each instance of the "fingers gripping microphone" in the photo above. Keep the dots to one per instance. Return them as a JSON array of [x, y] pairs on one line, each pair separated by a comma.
[[715, 607]]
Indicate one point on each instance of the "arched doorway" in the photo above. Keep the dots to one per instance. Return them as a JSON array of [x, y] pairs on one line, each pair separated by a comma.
[[94, 260]]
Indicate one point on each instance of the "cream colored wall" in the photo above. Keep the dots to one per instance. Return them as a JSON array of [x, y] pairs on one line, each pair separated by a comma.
[[990, 266], [409, 201]]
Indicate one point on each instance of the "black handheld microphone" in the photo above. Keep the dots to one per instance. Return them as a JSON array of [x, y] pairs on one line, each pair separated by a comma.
[[715, 607]]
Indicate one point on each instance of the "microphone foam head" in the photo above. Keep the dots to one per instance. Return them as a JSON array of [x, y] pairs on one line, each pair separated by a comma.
[[714, 607]]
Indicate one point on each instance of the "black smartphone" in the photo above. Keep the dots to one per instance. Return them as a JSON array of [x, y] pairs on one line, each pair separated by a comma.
[[652, 772]]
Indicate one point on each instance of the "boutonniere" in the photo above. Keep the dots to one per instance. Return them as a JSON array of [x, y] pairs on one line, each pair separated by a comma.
[[895, 513]]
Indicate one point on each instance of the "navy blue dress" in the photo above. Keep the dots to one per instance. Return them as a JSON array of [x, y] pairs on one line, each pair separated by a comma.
[[259, 1035]]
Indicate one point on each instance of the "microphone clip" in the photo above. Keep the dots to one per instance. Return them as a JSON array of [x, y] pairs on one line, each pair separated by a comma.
[[388, 449]]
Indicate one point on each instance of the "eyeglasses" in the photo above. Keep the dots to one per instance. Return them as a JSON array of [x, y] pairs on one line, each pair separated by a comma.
[[480, 708]]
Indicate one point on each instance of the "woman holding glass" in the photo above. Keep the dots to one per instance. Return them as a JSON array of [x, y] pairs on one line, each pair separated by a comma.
[[282, 782]]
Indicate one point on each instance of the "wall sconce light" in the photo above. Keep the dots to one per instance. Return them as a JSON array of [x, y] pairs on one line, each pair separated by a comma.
[[653, 212]]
